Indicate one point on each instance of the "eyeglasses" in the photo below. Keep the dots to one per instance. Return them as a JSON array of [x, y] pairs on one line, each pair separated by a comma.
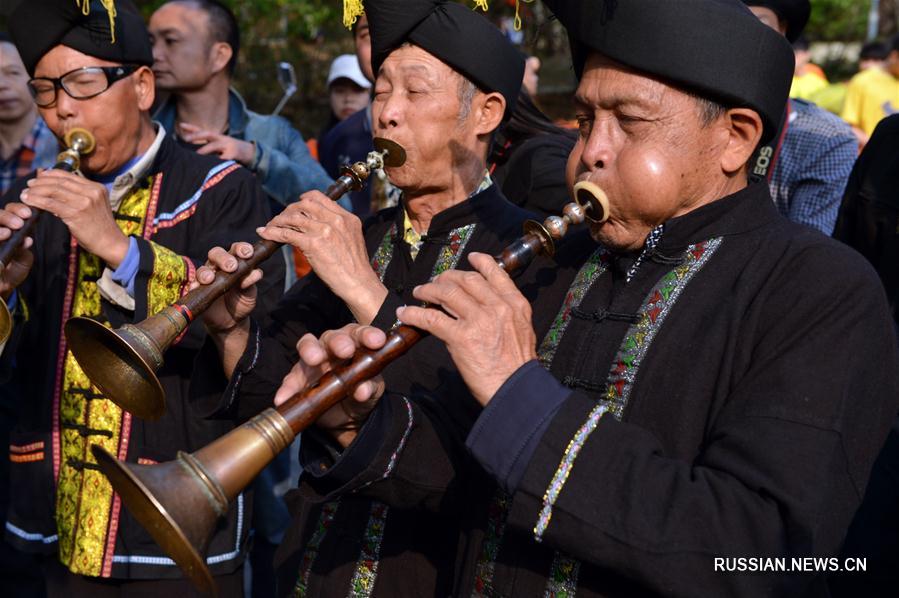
[[80, 84]]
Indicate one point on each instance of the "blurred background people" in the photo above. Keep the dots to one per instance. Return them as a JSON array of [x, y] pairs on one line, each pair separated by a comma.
[[195, 50], [348, 90], [807, 164], [873, 94], [531, 75], [25, 141], [808, 77], [351, 140], [528, 158], [25, 144], [873, 54]]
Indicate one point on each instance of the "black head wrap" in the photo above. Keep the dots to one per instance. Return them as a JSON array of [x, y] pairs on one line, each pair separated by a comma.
[[455, 34], [110, 30], [795, 13], [715, 48]]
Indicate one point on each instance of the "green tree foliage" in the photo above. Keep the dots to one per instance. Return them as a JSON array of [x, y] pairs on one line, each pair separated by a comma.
[[838, 20]]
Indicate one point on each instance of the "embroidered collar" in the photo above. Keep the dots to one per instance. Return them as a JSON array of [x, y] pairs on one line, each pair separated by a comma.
[[415, 239]]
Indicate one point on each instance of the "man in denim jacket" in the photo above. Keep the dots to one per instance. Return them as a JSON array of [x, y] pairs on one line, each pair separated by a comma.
[[195, 47]]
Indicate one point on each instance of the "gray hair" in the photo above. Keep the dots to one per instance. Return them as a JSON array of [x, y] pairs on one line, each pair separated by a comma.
[[709, 110], [467, 91]]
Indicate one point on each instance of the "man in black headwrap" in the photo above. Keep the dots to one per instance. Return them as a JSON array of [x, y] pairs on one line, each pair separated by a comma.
[[446, 79], [716, 381], [119, 243]]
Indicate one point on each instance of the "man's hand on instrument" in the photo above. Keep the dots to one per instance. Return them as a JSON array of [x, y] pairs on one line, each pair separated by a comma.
[[230, 310], [487, 325], [331, 239], [225, 147], [83, 206], [319, 356], [12, 218]]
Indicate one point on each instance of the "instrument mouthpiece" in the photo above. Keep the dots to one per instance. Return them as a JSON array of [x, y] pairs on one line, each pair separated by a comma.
[[593, 200]]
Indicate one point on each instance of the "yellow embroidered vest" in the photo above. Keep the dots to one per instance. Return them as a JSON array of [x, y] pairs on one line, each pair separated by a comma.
[[87, 512]]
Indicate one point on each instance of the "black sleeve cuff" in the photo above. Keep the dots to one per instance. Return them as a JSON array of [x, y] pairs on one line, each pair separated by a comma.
[[506, 434], [386, 317], [209, 385], [370, 457]]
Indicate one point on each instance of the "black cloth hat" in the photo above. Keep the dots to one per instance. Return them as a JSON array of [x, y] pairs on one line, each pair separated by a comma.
[[794, 12], [117, 34], [715, 48], [455, 34]]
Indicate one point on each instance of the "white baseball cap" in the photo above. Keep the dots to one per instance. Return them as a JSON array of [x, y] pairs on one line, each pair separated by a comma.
[[346, 66]]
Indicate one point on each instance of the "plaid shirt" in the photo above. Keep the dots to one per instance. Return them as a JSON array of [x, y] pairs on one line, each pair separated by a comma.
[[815, 160], [33, 153]]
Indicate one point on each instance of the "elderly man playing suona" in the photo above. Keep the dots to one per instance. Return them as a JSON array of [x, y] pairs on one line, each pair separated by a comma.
[[716, 382], [440, 95], [118, 244]]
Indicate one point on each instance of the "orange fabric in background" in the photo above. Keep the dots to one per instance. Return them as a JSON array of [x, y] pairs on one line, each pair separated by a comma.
[[301, 264]]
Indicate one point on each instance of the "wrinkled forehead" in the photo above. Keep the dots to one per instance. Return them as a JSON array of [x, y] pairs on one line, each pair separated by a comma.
[[605, 82], [62, 59], [409, 61]]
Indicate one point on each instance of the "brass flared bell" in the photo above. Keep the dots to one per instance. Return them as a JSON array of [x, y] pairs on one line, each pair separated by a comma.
[[121, 363], [180, 522], [180, 501]]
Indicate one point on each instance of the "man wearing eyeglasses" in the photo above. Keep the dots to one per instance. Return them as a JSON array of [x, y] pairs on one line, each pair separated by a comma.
[[119, 243]]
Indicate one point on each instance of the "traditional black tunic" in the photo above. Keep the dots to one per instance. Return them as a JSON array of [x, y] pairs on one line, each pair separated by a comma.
[[725, 401], [185, 205], [346, 547]]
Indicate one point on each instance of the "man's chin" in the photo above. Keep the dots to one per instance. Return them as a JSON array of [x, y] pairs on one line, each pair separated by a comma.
[[615, 238]]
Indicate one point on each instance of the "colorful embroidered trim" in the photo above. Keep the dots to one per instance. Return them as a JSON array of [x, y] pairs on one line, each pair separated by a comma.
[[87, 510], [84, 498], [365, 575], [363, 583], [27, 448], [384, 253], [626, 365], [450, 254], [561, 476], [166, 282], [391, 464], [493, 536], [187, 209], [149, 231], [588, 274], [28, 457], [325, 519], [652, 313], [562, 577]]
